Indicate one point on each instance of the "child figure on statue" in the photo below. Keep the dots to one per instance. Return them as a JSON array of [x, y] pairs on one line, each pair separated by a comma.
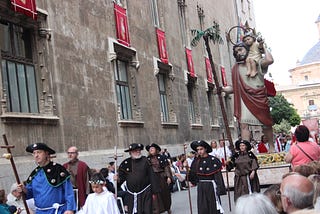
[[255, 52], [101, 201]]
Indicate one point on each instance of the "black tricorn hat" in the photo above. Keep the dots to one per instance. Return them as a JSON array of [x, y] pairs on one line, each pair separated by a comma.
[[153, 145], [247, 143], [202, 143], [134, 146], [39, 146]]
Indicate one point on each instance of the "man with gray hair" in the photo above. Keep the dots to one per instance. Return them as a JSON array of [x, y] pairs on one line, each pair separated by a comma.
[[79, 172], [15, 199], [296, 193]]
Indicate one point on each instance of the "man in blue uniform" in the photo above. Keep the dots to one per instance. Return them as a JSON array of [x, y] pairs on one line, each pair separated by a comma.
[[49, 184]]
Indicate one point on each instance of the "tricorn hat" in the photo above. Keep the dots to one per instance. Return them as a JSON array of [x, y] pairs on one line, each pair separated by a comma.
[[134, 146], [202, 143], [247, 143], [153, 145], [39, 146]]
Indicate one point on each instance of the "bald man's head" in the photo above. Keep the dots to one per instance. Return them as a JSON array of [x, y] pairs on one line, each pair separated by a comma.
[[72, 153], [296, 193]]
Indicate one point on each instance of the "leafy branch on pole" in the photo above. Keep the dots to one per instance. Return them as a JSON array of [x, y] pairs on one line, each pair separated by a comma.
[[213, 34]]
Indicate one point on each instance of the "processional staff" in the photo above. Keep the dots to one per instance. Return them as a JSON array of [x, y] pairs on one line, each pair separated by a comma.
[[225, 158], [187, 179], [9, 156], [115, 157]]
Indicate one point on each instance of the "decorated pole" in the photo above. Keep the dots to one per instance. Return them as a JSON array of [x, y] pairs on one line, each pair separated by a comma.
[[225, 158], [10, 157], [219, 91], [187, 179]]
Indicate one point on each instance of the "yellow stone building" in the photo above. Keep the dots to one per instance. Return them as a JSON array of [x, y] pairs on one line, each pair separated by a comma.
[[304, 91]]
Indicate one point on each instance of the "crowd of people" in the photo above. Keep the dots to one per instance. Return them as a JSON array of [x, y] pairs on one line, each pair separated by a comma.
[[143, 184]]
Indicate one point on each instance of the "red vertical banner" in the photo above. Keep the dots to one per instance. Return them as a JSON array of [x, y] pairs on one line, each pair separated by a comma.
[[27, 7], [162, 47], [190, 62], [223, 76], [209, 70], [121, 25]]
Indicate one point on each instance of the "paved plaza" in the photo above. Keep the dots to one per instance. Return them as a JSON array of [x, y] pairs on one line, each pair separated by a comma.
[[180, 202]]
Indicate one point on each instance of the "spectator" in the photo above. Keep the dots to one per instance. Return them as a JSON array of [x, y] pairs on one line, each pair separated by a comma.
[[308, 211], [223, 152], [4, 208], [180, 160], [79, 172], [177, 176], [305, 170], [304, 151], [315, 179], [278, 143], [263, 146], [15, 199], [271, 193], [166, 153], [288, 144], [296, 193], [255, 203], [214, 147], [190, 157]]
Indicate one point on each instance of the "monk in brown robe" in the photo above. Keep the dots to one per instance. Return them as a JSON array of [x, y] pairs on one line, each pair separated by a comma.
[[162, 169]]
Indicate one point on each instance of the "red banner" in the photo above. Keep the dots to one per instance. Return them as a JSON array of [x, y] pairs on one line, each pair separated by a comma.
[[209, 70], [162, 47], [121, 25], [223, 76], [27, 7], [190, 62]]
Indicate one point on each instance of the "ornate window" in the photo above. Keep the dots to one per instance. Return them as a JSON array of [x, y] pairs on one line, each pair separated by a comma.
[[165, 78], [122, 90], [155, 12], [126, 65], [162, 82], [18, 72]]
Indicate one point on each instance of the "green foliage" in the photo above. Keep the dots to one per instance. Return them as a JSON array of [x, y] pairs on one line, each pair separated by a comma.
[[295, 119], [212, 33], [282, 109], [283, 127]]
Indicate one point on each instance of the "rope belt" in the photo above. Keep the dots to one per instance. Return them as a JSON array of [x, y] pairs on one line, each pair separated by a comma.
[[219, 207], [54, 206], [135, 198], [249, 185]]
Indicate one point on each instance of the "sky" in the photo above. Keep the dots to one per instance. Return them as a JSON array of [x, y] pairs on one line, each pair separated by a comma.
[[289, 29]]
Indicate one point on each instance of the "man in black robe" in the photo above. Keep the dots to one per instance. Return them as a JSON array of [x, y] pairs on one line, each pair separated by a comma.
[[162, 169], [205, 172], [141, 181]]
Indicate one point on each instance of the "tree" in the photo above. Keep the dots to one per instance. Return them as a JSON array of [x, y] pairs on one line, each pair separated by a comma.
[[213, 34], [282, 109], [283, 127]]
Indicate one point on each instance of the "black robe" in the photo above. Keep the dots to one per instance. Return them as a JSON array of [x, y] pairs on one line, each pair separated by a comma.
[[138, 174], [162, 169], [202, 173]]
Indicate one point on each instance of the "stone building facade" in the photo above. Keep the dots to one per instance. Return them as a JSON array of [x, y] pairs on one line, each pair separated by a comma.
[[69, 78]]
